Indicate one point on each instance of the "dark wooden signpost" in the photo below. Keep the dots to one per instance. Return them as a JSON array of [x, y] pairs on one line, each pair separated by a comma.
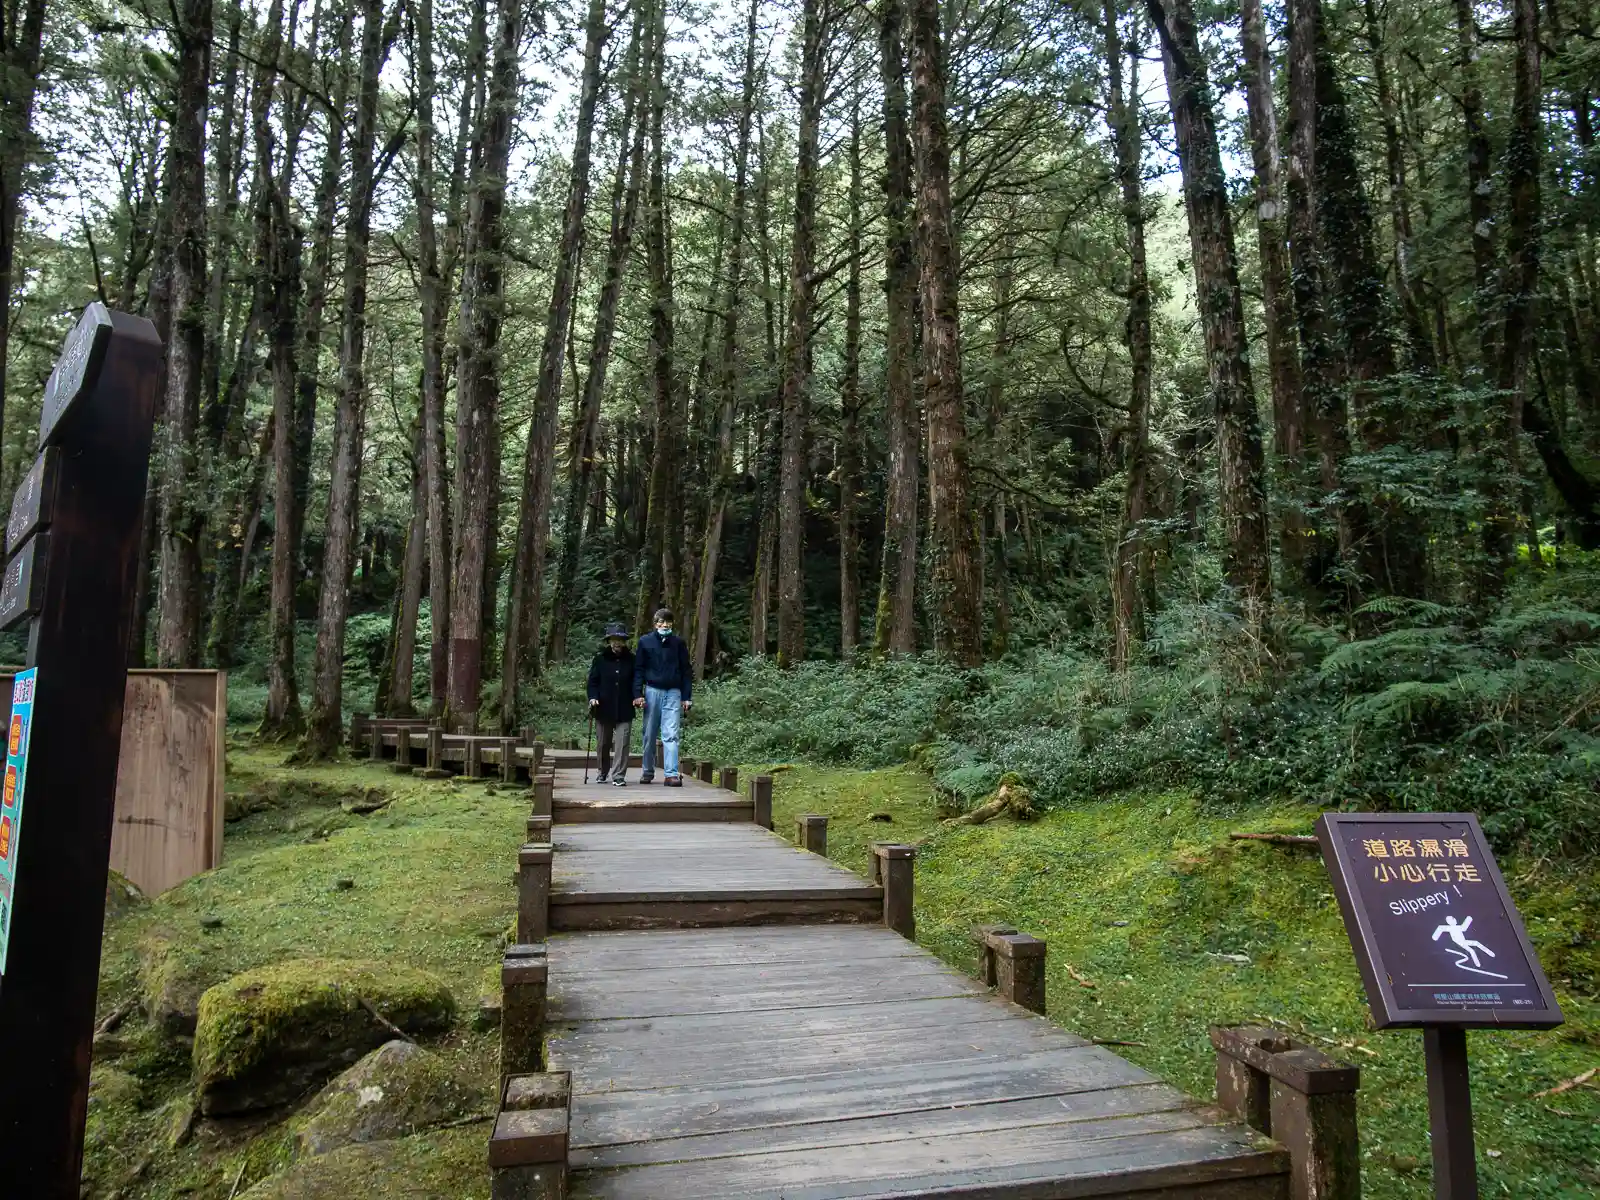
[[72, 546], [1440, 947]]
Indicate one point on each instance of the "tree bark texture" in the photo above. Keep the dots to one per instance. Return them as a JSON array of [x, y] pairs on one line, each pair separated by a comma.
[[957, 598], [1127, 613], [795, 403], [478, 389], [895, 625], [538, 471], [182, 517], [1246, 552], [325, 723], [625, 186], [19, 55], [850, 404]]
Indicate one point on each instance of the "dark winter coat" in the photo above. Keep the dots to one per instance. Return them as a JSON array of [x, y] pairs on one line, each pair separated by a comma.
[[611, 683], [662, 663]]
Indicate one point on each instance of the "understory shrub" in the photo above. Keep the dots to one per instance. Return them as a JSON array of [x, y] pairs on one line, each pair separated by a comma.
[[1429, 710]]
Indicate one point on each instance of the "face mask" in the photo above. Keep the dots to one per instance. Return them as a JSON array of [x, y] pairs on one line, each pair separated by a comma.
[[664, 630]]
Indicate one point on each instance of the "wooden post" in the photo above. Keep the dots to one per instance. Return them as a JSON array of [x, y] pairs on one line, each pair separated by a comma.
[[894, 866], [524, 976], [730, 778], [1019, 969], [987, 971], [472, 759], [706, 771], [761, 800], [811, 832], [1455, 1167], [538, 758], [533, 892], [539, 830], [375, 743], [402, 750], [544, 793], [74, 551], [435, 768], [358, 730], [528, 1148], [1301, 1098], [508, 760], [526, 735]]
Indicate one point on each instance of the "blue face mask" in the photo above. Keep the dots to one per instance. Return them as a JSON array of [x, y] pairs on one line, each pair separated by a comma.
[[664, 630]]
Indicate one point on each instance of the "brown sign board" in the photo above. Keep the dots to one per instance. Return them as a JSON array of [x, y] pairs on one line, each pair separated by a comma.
[[1435, 933], [22, 587], [34, 504], [77, 368]]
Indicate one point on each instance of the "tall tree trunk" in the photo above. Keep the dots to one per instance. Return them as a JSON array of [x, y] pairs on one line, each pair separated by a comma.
[[292, 450], [1519, 283], [850, 404], [656, 579], [228, 428], [1393, 555], [1419, 347], [728, 386], [625, 188], [182, 517], [538, 471], [282, 718], [796, 400], [958, 629], [226, 164], [326, 722], [1324, 370], [435, 275], [403, 642], [896, 613], [1480, 191], [1277, 293], [1127, 612], [1246, 553], [19, 55], [478, 390]]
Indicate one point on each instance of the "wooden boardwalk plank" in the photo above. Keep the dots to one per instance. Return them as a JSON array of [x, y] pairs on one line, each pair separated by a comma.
[[1046, 1162], [1113, 1108]]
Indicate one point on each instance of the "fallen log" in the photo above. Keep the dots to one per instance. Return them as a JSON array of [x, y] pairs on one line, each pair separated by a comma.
[[1278, 839]]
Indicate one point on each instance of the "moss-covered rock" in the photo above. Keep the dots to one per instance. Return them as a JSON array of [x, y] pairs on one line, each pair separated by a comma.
[[173, 976], [267, 1035], [397, 1090], [423, 1167], [122, 897]]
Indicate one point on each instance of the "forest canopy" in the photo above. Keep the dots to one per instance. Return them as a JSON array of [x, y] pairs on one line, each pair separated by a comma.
[[1224, 352]]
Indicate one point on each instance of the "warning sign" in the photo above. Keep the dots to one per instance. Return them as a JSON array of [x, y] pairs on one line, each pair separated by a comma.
[[11, 796]]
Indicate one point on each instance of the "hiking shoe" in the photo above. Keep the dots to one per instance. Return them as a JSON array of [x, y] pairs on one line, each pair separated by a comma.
[[619, 781], [601, 778], [647, 779], [673, 781]]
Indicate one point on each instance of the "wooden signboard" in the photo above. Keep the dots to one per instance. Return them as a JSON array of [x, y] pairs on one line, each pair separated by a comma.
[[1440, 946], [76, 583]]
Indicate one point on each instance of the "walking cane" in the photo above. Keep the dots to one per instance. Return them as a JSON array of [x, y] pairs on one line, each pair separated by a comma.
[[590, 747]]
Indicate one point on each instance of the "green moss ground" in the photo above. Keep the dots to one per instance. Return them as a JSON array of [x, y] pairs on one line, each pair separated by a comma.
[[431, 889], [1144, 896]]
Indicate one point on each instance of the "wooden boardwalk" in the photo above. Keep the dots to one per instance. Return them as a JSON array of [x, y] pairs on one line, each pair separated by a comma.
[[738, 1025]]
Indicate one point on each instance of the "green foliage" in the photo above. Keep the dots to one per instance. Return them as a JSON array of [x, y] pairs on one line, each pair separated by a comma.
[[1431, 713]]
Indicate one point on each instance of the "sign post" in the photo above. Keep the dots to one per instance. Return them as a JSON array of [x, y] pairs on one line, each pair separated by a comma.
[[72, 546], [1441, 947]]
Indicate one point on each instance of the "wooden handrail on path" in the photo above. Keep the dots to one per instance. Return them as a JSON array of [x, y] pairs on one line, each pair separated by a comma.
[[695, 1009]]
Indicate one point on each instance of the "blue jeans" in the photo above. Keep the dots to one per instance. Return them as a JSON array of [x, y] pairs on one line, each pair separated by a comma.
[[663, 707]]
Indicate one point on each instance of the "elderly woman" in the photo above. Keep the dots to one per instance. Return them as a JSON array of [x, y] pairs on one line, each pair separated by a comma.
[[611, 703]]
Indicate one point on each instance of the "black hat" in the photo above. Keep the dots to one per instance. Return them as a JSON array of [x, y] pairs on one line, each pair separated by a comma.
[[615, 629]]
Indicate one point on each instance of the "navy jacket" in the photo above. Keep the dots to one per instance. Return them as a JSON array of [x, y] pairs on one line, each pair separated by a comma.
[[662, 662], [611, 683]]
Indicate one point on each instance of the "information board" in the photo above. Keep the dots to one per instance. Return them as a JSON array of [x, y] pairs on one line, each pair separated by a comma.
[[16, 780], [1435, 933]]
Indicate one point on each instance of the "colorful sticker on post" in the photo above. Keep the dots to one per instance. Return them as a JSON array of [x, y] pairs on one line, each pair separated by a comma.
[[16, 778]]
